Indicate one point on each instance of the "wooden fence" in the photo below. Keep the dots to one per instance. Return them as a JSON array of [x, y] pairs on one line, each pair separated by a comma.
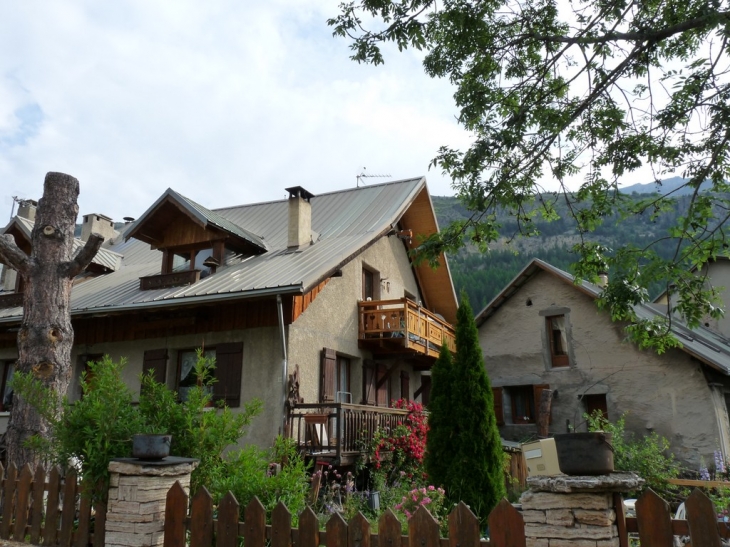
[[507, 528], [655, 526], [65, 521]]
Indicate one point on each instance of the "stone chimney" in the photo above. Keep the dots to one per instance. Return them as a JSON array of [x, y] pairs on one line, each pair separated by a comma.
[[99, 224], [300, 217], [27, 209]]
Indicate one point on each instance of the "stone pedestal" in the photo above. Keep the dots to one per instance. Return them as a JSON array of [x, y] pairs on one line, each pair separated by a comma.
[[568, 511], [135, 515]]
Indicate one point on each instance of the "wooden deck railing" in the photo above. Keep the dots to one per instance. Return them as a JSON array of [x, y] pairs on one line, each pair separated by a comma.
[[339, 431], [397, 325]]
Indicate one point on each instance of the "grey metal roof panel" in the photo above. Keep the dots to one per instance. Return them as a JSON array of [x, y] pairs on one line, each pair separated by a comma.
[[346, 220]]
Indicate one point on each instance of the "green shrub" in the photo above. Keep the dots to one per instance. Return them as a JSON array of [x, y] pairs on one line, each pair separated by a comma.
[[648, 456], [99, 427]]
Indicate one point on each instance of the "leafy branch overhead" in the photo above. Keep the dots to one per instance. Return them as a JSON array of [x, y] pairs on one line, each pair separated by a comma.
[[582, 94]]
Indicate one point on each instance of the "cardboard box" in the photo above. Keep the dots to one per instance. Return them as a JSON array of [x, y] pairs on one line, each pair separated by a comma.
[[541, 458]]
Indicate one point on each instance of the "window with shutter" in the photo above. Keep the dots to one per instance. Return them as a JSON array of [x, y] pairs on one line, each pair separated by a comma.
[[6, 369], [557, 334], [228, 372], [328, 378], [405, 385], [84, 361], [595, 403], [498, 405], [155, 360], [383, 387], [523, 404]]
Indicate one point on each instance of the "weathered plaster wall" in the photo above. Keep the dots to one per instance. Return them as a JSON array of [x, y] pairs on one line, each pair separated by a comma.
[[331, 321], [718, 273], [261, 376], [667, 394]]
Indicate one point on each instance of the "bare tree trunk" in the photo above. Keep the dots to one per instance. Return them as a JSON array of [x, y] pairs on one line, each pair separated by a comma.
[[45, 338]]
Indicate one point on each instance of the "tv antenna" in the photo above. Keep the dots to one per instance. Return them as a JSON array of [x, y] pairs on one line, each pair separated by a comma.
[[20, 201], [365, 175]]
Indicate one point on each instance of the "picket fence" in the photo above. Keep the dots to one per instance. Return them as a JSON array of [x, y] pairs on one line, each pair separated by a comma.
[[507, 528], [655, 526], [65, 521]]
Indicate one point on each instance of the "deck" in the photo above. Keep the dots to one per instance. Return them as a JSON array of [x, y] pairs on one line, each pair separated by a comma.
[[339, 432], [402, 327]]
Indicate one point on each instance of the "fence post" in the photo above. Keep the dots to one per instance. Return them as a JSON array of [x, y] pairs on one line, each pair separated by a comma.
[[137, 493], [574, 509]]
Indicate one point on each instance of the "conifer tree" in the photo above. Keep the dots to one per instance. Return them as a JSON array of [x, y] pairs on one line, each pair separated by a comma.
[[438, 443], [474, 473]]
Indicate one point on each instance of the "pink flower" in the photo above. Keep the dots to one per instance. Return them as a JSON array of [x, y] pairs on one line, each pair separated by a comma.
[[431, 488]]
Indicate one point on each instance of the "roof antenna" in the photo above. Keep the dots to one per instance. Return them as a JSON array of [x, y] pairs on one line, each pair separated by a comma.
[[364, 175]]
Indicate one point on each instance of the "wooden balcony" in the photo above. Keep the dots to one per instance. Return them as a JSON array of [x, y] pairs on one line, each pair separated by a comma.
[[339, 432], [402, 327], [165, 281]]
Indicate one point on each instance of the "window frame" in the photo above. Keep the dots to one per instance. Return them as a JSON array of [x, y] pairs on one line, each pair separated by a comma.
[[558, 358], [8, 366], [527, 393]]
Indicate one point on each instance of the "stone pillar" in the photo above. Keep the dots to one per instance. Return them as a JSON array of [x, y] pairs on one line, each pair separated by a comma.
[[135, 515], [571, 511]]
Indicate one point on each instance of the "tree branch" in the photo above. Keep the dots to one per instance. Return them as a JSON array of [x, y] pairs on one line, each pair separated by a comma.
[[637, 36], [12, 255], [83, 257]]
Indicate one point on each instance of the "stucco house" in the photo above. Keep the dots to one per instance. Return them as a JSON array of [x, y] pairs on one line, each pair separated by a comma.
[[311, 303], [543, 331]]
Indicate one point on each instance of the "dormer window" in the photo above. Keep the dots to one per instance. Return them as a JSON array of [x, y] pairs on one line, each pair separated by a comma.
[[194, 240]]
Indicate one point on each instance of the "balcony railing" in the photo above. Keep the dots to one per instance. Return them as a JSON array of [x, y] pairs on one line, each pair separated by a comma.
[[398, 326], [339, 431]]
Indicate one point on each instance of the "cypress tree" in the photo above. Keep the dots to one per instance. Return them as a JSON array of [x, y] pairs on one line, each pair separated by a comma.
[[475, 473], [439, 443]]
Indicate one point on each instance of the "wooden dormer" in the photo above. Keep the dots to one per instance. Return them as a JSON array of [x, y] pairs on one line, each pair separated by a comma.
[[193, 240]]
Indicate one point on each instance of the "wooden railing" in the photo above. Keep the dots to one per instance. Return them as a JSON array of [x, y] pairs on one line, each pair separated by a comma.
[[339, 430], [402, 324], [165, 281], [220, 526]]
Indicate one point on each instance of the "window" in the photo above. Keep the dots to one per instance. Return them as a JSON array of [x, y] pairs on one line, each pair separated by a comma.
[[517, 405], [558, 337], [595, 403], [6, 369], [227, 372], [405, 385], [84, 361], [334, 378], [155, 361]]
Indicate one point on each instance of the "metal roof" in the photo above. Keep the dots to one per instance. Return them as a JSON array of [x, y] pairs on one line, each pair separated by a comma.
[[346, 222], [700, 342]]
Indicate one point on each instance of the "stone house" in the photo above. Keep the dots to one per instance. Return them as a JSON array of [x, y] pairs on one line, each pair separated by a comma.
[[310, 300], [543, 331]]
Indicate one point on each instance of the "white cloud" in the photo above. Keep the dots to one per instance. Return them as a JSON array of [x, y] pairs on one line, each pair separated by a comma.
[[225, 101]]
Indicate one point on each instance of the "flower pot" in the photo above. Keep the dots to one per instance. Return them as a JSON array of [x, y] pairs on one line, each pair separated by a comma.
[[374, 501], [151, 447], [584, 453]]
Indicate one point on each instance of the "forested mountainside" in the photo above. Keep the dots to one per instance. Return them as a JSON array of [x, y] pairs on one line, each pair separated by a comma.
[[482, 276]]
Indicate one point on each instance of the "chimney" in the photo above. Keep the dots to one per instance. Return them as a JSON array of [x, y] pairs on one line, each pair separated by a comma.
[[300, 217], [100, 224], [27, 209]]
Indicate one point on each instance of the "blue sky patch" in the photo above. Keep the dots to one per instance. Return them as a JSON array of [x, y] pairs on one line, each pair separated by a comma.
[[31, 118]]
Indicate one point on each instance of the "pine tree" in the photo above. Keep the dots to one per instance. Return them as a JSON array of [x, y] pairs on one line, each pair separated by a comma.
[[439, 442], [474, 474]]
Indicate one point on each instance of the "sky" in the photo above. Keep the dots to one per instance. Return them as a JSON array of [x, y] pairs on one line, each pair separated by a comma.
[[225, 101]]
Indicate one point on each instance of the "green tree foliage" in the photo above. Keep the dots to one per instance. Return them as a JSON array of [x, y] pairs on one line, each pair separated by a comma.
[[474, 466], [439, 452], [589, 91]]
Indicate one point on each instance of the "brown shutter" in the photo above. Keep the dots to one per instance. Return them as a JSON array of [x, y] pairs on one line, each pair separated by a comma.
[[498, 405], [328, 379], [228, 370], [405, 385], [368, 384], [383, 391], [156, 360], [537, 390]]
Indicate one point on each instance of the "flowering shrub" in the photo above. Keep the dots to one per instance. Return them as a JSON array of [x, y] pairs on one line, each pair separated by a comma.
[[430, 497], [405, 445]]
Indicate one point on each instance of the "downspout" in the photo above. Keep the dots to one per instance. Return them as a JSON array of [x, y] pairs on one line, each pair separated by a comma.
[[284, 363]]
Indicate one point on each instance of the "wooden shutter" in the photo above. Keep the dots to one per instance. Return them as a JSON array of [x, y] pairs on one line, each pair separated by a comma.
[[383, 386], [537, 390], [328, 378], [498, 405], [156, 360], [405, 385], [228, 370], [368, 384]]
